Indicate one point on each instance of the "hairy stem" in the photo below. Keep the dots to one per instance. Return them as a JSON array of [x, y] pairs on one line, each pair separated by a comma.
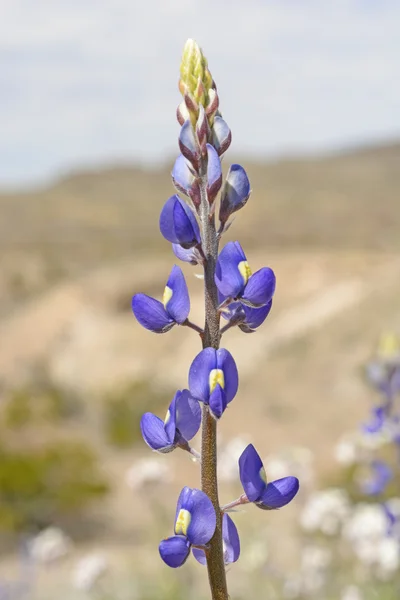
[[211, 338]]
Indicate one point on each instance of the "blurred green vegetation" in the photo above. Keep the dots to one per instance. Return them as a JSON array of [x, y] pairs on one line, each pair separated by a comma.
[[40, 486], [38, 403], [43, 477], [123, 408]]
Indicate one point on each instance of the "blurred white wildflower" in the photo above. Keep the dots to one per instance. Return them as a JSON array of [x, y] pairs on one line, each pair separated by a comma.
[[315, 561], [313, 582], [366, 530], [256, 555], [346, 451], [389, 558], [351, 592], [372, 441], [315, 558], [147, 471], [228, 469], [366, 522], [89, 571], [49, 545], [292, 587], [325, 511]]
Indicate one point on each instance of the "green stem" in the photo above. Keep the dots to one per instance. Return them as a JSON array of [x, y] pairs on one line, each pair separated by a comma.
[[211, 338]]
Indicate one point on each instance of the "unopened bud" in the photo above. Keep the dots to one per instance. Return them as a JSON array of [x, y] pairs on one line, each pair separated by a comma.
[[235, 194], [195, 78]]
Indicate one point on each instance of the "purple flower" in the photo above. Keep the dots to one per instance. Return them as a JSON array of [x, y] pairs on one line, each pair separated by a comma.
[[235, 193], [385, 377], [265, 495], [181, 424], [380, 477], [213, 379], [178, 223], [235, 280], [392, 512], [161, 316], [247, 318], [195, 523], [377, 421], [230, 542]]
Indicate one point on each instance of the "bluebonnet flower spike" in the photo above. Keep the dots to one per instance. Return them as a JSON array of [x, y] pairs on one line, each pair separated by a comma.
[[235, 193], [195, 523], [213, 379], [265, 495], [178, 223], [158, 316], [234, 278], [231, 543], [181, 424]]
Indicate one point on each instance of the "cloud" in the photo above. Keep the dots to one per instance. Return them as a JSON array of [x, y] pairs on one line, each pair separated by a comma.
[[83, 81]]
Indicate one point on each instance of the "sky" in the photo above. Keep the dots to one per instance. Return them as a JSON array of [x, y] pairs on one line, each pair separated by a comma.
[[94, 82]]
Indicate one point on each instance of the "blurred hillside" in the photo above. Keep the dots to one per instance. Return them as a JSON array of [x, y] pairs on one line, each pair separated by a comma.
[[343, 202]]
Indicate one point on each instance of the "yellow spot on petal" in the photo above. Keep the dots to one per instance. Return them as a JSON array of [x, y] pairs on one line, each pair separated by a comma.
[[182, 522], [216, 376], [167, 417], [167, 295], [263, 475], [244, 270]]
